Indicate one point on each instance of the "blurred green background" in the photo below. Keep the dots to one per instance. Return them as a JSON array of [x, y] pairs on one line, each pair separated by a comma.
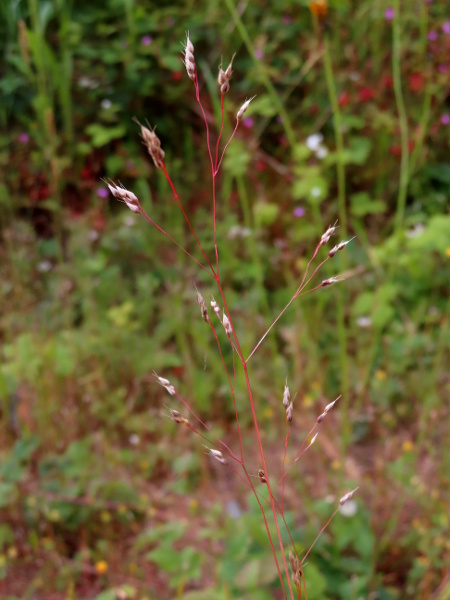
[[101, 495]]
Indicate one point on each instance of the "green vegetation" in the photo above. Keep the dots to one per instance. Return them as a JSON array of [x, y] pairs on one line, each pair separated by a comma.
[[101, 495]]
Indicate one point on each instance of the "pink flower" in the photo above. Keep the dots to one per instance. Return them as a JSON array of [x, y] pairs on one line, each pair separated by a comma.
[[23, 138], [248, 122], [389, 14], [259, 54], [432, 36], [446, 27], [146, 40], [445, 119], [102, 192], [299, 211]]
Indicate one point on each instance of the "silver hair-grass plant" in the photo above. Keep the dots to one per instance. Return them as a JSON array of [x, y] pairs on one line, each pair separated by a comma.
[[289, 562]]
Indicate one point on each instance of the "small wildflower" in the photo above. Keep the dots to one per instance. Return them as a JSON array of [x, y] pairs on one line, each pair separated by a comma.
[[101, 567], [432, 36], [105, 516], [189, 60], [243, 108], [102, 192], [134, 439], [446, 27], [23, 138], [248, 122], [106, 104], [389, 13], [319, 8], [146, 40], [380, 374], [299, 212], [349, 509], [315, 192], [445, 119], [259, 54], [364, 322], [447, 252], [314, 141], [407, 446], [347, 497]]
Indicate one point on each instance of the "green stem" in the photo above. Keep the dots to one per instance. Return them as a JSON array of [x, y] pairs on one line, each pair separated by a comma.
[[403, 120], [342, 212], [260, 69]]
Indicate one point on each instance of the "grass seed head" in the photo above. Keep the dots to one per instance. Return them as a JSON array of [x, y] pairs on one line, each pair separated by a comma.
[[153, 145], [126, 196], [189, 60], [286, 396], [347, 497], [243, 108]]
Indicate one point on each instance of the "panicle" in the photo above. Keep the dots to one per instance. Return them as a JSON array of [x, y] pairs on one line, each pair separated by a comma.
[[224, 77], [153, 145], [165, 383], [226, 324], [176, 416], [189, 60], [215, 307], [330, 281], [347, 497], [339, 247], [126, 196], [289, 410], [296, 568], [286, 395], [243, 108], [327, 409], [217, 455], [328, 233], [203, 308]]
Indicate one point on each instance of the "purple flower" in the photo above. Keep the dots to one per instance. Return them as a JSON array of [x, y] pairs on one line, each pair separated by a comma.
[[389, 14], [299, 211], [445, 119], [286, 20], [248, 122], [259, 54], [102, 192], [442, 68], [23, 138], [446, 27], [432, 36], [146, 40]]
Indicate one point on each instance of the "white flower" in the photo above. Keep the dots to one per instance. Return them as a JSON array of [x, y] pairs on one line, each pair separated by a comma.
[[314, 141], [315, 192], [364, 321], [321, 152], [134, 439], [106, 104], [349, 509]]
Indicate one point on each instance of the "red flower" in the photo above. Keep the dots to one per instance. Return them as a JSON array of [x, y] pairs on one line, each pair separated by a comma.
[[344, 99], [366, 94]]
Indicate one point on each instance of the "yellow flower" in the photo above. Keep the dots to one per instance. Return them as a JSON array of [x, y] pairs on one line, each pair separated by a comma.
[[268, 412], [380, 374], [105, 516], [307, 400], [12, 552], [319, 8], [407, 446], [447, 252], [101, 567]]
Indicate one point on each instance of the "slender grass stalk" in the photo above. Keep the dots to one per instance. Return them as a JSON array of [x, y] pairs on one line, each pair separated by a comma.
[[274, 96], [342, 212], [403, 121]]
